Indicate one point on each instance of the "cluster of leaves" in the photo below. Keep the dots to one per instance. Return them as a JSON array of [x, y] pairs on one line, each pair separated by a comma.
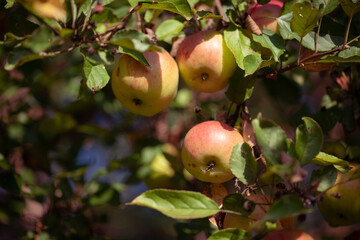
[[48, 114]]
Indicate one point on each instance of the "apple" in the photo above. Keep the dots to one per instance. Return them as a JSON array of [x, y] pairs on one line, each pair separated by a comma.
[[161, 173], [288, 234], [205, 62], [207, 149], [265, 15], [146, 90], [340, 205]]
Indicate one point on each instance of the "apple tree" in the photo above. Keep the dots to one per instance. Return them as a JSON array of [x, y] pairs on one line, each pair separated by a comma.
[[180, 119]]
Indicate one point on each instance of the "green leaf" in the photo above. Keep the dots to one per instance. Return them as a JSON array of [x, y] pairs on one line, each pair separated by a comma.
[[9, 37], [9, 3], [240, 46], [325, 42], [350, 7], [168, 28], [240, 87], [40, 40], [272, 41], [230, 234], [85, 7], [20, 55], [131, 39], [309, 140], [96, 76], [180, 7], [325, 159], [351, 54], [327, 6], [327, 175], [106, 16], [207, 14], [138, 56], [177, 203], [287, 206], [243, 163], [304, 19], [271, 138], [251, 63], [235, 202]]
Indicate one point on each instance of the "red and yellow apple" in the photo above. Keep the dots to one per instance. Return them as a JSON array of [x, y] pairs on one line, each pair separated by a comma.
[[205, 62], [265, 15], [288, 234], [207, 149], [340, 205], [146, 90]]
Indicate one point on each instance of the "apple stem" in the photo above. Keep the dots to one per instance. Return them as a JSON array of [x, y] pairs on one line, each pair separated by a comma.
[[210, 166], [137, 101], [204, 76]]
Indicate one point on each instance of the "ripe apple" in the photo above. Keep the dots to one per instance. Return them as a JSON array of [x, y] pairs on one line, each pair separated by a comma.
[[287, 234], [207, 149], [146, 90], [340, 205], [265, 15], [205, 62]]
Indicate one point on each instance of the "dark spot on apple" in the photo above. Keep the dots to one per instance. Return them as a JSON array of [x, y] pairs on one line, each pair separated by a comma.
[[210, 166], [204, 76], [341, 216], [194, 165], [137, 101], [117, 71], [337, 195]]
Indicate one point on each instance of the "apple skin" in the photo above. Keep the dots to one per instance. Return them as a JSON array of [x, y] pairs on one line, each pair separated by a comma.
[[210, 143], [146, 90], [205, 62], [265, 15], [161, 174], [288, 234], [244, 223], [340, 205]]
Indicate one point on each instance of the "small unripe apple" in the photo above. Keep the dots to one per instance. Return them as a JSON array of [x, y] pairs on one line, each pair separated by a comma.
[[146, 90], [265, 15], [207, 149], [205, 62], [161, 174], [288, 234], [340, 205]]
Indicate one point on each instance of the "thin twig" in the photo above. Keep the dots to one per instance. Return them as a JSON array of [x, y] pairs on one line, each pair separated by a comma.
[[318, 35], [218, 6], [348, 29]]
